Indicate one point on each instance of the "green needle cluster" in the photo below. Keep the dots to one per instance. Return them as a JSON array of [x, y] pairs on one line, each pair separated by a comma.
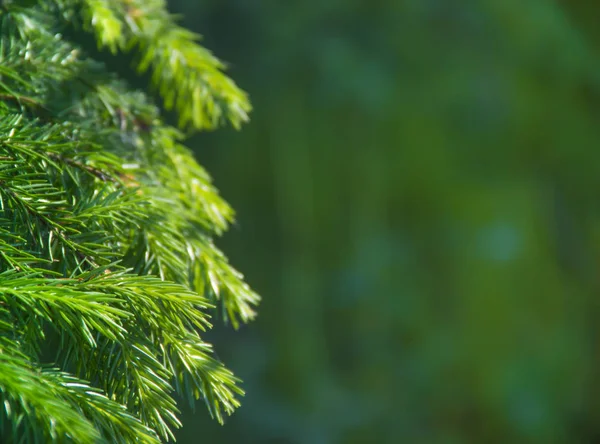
[[108, 268]]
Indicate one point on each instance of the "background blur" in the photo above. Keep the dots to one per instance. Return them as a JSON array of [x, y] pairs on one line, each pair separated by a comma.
[[418, 199]]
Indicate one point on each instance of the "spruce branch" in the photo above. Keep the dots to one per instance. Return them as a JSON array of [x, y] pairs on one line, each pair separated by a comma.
[[188, 77], [53, 406], [106, 228], [35, 404]]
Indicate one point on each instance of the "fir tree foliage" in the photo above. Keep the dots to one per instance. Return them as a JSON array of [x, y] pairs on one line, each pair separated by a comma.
[[107, 225]]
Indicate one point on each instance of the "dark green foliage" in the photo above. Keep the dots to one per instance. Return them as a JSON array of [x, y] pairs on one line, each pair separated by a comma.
[[106, 228], [421, 184]]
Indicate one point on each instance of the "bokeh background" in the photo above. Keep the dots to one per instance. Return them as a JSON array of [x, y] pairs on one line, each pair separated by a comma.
[[418, 200]]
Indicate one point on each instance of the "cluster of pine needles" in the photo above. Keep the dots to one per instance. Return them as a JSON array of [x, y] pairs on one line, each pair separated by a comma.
[[109, 272]]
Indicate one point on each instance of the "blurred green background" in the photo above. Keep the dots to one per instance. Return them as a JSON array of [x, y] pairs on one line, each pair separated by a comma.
[[418, 200]]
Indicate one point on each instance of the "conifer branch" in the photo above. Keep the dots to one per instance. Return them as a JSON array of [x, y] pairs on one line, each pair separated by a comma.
[[53, 406], [107, 226], [188, 77]]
